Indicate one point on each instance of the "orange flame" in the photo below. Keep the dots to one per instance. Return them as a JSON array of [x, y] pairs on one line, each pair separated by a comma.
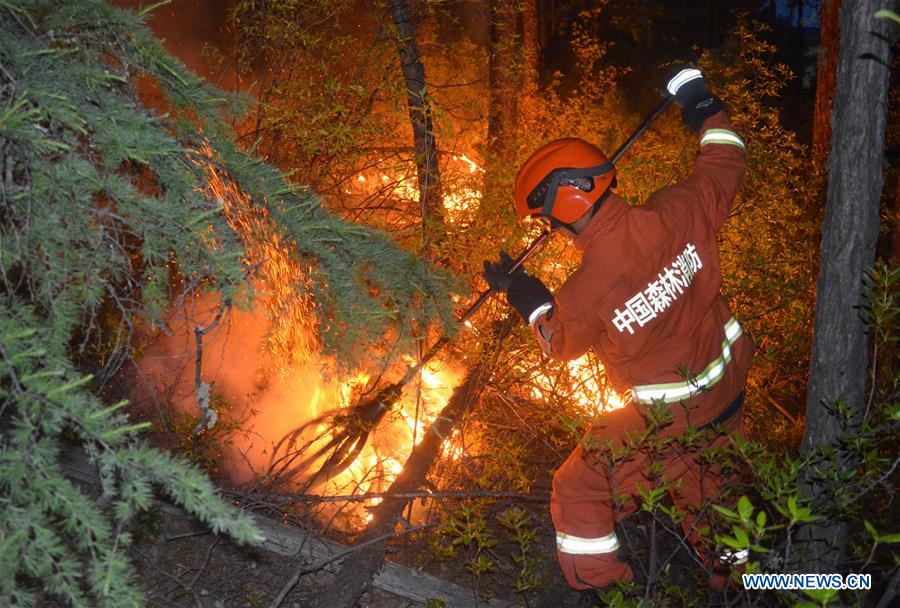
[[269, 367], [281, 282]]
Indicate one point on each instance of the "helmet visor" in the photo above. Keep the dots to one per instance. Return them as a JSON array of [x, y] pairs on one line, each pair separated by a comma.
[[543, 195]]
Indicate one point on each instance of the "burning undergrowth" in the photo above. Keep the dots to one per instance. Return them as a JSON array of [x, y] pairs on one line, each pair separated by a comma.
[[295, 422], [271, 400], [262, 369]]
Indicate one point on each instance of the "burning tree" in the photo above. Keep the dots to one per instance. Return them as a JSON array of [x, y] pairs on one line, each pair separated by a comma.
[[106, 222]]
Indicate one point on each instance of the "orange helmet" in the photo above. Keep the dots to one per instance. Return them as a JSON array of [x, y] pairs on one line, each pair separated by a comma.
[[563, 180]]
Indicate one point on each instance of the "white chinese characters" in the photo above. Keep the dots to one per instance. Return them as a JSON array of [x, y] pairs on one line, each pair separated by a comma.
[[671, 282]]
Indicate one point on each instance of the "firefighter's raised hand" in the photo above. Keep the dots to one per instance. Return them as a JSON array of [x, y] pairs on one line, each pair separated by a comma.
[[497, 274], [688, 87]]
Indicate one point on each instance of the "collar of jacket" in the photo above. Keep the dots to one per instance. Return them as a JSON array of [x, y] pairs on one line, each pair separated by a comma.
[[609, 213]]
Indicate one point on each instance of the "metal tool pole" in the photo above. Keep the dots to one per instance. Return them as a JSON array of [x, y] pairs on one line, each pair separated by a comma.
[[662, 107], [532, 248]]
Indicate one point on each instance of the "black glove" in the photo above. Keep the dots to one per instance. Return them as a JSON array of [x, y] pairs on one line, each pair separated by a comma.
[[524, 292], [697, 103], [497, 273]]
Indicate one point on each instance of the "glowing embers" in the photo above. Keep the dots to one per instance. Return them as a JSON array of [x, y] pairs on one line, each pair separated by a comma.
[[460, 186], [581, 381], [463, 194], [281, 282]]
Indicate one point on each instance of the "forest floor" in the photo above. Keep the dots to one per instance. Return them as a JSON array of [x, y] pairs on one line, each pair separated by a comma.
[[182, 564]]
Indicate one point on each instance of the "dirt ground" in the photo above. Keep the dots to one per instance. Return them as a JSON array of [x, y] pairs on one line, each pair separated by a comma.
[[182, 565]]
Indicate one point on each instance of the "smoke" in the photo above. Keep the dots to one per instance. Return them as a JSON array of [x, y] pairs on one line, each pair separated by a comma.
[[195, 31], [267, 400]]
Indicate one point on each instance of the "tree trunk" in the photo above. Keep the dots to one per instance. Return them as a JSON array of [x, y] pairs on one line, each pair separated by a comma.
[[531, 46], [504, 75], [420, 115], [828, 56], [504, 86], [359, 568], [895, 233], [546, 12], [773, 14], [839, 360]]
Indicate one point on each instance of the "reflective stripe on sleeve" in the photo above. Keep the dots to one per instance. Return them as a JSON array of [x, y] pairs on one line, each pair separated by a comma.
[[677, 391], [681, 78], [537, 312], [722, 136], [575, 545]]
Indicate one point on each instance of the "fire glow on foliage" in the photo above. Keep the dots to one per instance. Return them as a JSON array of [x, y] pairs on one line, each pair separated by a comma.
[[581, 386], [292, 336], [460, 195], [265, 366]]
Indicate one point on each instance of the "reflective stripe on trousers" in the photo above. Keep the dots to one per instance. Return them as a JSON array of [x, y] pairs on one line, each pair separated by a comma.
[[576, 545], [735, 558], [677, 391]]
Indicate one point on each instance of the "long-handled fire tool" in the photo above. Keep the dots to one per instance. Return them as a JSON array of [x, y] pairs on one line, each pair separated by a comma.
[[350, 427]]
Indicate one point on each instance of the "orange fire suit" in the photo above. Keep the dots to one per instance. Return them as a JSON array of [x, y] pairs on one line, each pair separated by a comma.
[[646, 299]]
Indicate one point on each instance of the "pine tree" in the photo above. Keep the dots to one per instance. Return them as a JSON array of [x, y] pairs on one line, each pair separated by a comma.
[[104, 211]]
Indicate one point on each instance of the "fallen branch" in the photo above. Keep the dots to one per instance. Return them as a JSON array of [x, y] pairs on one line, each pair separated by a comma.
[[359, 568], [284, 499], [302, 570], [780, 409], [290, 541]]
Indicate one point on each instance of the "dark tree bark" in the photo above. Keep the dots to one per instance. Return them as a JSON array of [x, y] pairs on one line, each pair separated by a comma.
[[839, 360], [827, 71], [420, 115], [895, 233], [772, 8], [531, 45], [547, 19], [505, 84], [359, 568], [504, 75]]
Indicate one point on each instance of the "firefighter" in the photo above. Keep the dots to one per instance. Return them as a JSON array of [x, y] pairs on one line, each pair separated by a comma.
[[646, 299]]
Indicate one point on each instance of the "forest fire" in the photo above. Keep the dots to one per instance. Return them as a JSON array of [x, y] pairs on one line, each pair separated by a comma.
[[266, 369], [181, 363], [286, 385], [581, 385], [460, 192]]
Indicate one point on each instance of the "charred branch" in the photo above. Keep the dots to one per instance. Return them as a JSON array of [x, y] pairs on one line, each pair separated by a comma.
[[208, 416], [359, 568]]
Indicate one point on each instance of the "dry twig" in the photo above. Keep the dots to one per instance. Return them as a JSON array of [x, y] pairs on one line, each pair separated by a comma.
[[208, 416]]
